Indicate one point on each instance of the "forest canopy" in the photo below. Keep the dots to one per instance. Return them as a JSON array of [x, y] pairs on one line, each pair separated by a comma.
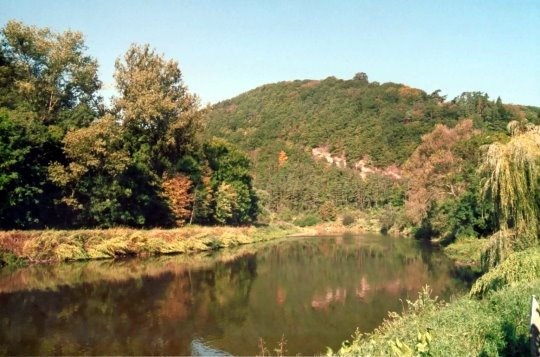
[[68, 160]]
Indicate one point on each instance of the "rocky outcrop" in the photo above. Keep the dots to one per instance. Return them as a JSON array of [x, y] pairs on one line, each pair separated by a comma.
[[362, 166]]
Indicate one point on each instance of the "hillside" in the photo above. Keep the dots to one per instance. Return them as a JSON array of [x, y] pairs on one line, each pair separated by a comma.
[[294, 129]]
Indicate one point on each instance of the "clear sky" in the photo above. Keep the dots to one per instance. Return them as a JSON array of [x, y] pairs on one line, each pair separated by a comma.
[[227, 47]]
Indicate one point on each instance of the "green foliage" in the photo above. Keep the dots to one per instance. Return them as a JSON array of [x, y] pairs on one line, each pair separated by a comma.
[[66, 162], [235, 198], [11, 260], [495, 326], [380, 124], [327, 211], [466, 250], [518, 267], [307, 220], [421, 348], [511, 174]]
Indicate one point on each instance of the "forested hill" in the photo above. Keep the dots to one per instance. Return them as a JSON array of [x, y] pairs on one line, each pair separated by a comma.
[[293, 129], [353, 117]]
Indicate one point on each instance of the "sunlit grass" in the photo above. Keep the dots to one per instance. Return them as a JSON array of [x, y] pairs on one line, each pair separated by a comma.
[[66, 245], [494, 326]]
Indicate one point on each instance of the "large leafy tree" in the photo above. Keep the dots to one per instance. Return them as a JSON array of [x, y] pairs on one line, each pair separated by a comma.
[[120, 164], [442, 185], [158, 115], [49, 85], [53, 73]]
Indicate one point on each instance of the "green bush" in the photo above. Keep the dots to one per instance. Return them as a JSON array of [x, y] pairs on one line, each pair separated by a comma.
[[11, 260], [466, 250], [518, 267], [495, 326], [307, 220]]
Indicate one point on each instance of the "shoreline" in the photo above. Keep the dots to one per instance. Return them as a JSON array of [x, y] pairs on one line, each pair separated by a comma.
[[19, 248]]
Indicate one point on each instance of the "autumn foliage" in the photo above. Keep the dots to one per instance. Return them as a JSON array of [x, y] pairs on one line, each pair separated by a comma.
[[433, 169], [282, 158], [177, 189]]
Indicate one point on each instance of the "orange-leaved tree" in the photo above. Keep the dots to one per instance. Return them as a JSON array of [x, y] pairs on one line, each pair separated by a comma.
[[433, 169], [177, 190]]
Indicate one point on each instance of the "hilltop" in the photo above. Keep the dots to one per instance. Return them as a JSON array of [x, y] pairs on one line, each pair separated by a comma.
[[344, 142]]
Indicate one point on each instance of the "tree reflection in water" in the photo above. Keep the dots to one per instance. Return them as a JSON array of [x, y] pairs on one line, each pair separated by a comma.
[[315, 291]]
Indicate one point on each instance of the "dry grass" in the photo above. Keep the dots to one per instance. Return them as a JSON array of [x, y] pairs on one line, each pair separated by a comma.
[[70, 245]]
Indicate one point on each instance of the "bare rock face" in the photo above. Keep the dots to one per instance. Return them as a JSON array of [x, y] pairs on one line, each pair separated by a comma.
[[322, 153], [362, 166]]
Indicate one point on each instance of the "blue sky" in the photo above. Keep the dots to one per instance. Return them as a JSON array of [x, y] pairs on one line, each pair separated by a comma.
[[225, 48]]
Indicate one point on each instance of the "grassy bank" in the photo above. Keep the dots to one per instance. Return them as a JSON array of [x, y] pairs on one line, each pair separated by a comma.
[[494, 326], [466, 251], [491, 321], [19, 247]]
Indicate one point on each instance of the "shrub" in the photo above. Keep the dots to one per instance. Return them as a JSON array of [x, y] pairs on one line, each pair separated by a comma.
[[348, 220], [466, 250], [392, 217], [328, 211], [518, 267], [495, 326], [307, 220]]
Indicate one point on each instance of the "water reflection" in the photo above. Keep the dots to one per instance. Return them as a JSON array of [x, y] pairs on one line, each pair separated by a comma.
[[315, 291]]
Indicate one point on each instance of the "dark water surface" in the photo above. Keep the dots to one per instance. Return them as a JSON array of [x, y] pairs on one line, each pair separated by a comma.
[[314, 291]]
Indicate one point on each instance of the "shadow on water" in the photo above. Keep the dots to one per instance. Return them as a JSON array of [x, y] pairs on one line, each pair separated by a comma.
[[315, 291]]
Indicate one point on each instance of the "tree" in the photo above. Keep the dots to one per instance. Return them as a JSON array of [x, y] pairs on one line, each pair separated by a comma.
[[433, 169], [361, 76], [53, 72], [50, 87], [177, 190], [235, 198], [226, 203], [511, 174], [93, 151], [158, 114]]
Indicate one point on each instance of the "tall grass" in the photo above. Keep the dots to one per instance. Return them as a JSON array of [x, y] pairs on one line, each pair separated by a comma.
[[56, 246]]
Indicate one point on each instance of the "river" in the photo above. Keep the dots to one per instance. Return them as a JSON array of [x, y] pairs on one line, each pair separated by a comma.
[[312, 291]]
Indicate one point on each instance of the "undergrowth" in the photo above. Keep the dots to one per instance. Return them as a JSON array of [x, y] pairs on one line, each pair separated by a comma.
[[494, 326], [466, 250], [518, 267]]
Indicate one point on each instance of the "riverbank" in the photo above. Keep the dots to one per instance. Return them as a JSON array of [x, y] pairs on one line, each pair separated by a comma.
[[22, 247], [492, 320], [494, 326]]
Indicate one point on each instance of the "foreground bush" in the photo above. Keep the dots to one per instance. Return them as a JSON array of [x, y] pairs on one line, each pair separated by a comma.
[[495, 326], [518, 267]]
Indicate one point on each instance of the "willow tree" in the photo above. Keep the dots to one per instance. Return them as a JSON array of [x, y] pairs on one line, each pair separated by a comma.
[[512, 186]]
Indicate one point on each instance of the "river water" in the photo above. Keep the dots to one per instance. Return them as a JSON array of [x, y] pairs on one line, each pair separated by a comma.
[[313, 292]]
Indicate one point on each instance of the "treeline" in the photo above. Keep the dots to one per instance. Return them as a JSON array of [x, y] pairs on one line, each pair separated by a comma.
[[69, 160]]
